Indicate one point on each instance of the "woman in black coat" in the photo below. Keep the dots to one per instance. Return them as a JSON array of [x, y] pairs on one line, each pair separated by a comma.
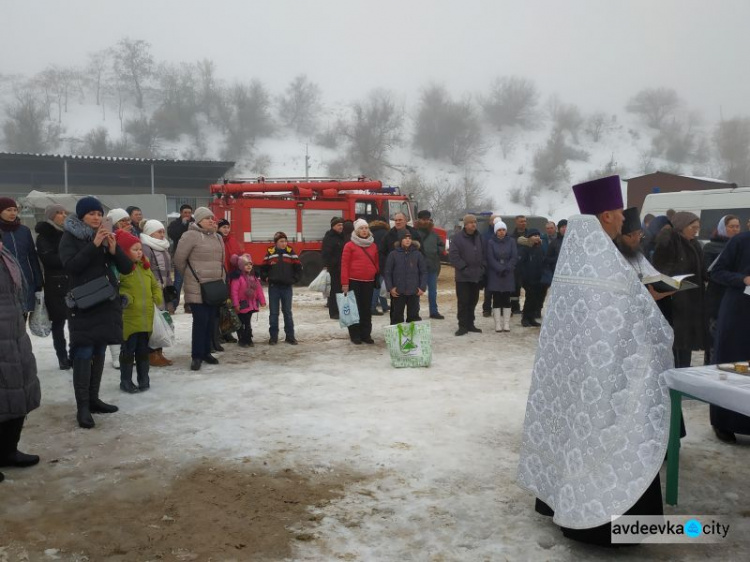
[[18, 241], [48, 236], [732, 270], [89, 252], [677, 252]]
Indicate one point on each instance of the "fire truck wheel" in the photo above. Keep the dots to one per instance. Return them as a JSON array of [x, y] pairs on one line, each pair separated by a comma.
[[312, 263]]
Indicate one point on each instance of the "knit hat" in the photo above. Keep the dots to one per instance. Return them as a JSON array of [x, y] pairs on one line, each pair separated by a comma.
[[336, 220], [561, 223], [279, 235], [424, 214], [243, 260], [595, 197], [403, 234], [87, 204], [51, 210], [499, 224], [632, 222], [532, 232], [7, 202], [125, 240], [117, 215], [359, 223], [152, 226], [132, 208], [681, 220], [202, 213], [223, 222]]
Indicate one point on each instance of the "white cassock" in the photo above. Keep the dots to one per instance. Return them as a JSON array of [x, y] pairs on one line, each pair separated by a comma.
[[597, 416]]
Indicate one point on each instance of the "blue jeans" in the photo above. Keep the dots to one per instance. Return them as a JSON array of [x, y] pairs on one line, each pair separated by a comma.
[[88, 351], [177, 285], [376, 296], [280, 295], [432, 292]]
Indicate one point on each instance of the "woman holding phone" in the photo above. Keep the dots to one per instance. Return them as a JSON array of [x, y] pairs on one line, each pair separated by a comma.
[[89, 253]]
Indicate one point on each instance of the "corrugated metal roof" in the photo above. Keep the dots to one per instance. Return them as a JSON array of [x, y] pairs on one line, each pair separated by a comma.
[[114, 159]]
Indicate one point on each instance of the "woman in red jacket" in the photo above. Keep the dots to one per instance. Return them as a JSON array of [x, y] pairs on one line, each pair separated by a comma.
[[359, 267]]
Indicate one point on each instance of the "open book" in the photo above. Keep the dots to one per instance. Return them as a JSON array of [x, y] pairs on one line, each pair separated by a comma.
[[666, 284]]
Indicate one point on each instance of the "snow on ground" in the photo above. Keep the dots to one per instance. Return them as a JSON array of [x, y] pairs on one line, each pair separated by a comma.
[[434, 450]]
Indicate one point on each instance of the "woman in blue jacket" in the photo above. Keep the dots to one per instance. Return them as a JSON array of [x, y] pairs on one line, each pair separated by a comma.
[[19, 242], [502, 255]]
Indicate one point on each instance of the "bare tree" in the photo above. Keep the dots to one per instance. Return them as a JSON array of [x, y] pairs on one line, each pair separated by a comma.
[[300, 105], [96, 71], [732, 139], [373, 130], [209, 89], [596, 124], [96, 142], [512, 101], [27, 128], [179, 101], [248, 117], [654, 105], [565, 117], [145, 137], [508, 139], [134, 62]]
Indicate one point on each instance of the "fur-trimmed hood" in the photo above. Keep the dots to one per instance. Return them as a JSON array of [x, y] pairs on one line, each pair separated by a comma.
[[378, 225], [414, 244], [78, 228]]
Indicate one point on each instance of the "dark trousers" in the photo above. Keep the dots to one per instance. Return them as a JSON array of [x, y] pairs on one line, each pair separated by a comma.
[[280, 297], [204, 316], [682, 357], [363, 294], [10, 434], [408, 302], [501, 299], [467, 297], [58, 338], [333, 307], [88, 351], [376, 298], [533, 303], [487, 302], [135, 346], [245, 333]]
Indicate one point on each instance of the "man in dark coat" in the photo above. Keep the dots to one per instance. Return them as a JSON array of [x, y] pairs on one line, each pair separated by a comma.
[[48, 235], [531, 267], [391, 238], [175, 230], [732, 341], [330, 251], [379, 227], [466, 254], [518, 232], [432, 248]]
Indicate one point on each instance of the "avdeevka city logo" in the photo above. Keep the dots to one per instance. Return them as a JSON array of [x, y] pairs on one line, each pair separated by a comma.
[[693, 528]]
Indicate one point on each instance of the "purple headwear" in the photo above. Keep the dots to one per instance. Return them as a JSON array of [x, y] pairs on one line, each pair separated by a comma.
[[597, 196]]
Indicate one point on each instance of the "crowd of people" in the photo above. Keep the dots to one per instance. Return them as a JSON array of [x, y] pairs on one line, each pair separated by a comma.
[[106, 276]]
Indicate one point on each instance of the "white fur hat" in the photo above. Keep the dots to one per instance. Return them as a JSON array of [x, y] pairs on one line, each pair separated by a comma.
[[498, 225], [152, 226], [117, 215]]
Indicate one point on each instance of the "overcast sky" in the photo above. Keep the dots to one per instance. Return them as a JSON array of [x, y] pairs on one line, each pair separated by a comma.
[[596, 53]]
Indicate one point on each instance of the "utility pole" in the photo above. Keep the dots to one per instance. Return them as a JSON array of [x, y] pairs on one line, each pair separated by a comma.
[[307, 163]]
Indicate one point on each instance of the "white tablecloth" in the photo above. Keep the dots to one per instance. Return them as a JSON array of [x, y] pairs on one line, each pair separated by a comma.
[[704, 383]]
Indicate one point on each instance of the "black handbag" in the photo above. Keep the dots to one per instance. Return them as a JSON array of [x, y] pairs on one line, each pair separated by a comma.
[[213, 293], [90, 294], [170, 293]]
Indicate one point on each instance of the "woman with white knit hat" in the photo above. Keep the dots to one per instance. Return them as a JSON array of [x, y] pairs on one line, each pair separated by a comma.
[[156, 250], [359, 267]]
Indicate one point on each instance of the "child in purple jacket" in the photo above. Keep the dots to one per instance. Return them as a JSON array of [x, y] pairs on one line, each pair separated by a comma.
[[247, 297]]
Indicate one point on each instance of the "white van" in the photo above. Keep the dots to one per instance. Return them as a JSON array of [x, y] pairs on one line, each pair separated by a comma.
[[709, 204]]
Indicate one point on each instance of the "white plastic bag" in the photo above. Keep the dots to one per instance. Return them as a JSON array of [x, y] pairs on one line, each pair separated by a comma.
[[39, 322], [348, 311], [383, 290], [162, 334], [320, 282]]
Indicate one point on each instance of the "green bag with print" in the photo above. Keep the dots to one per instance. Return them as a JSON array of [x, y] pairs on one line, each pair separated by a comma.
[[410, 344]]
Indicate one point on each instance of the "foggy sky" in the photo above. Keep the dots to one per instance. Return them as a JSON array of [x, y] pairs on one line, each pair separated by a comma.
[[596, 53]]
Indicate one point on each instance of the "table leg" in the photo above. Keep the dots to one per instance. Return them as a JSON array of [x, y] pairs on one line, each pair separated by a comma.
[[673, 449]]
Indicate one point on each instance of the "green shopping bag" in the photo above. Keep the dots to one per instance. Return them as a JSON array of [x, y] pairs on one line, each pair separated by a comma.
[[410, 344]]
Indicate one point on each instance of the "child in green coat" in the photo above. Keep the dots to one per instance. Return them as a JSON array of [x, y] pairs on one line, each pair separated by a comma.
[[139, 291]]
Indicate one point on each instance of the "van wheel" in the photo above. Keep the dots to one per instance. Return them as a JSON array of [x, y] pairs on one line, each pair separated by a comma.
[[312, 264]]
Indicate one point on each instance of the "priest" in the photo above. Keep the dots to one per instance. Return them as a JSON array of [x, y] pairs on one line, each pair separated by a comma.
[[597, 417]]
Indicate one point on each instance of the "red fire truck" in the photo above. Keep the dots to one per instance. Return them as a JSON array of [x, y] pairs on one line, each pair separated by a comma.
[[303, 209]]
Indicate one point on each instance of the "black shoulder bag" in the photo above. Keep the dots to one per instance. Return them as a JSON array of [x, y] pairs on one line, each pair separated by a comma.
[[215, 292]]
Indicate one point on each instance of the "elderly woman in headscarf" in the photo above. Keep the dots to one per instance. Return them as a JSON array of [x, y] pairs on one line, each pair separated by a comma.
[[156, 251], [20, 392], [19, 242], [677, 252], [728, 227], [49, 232], [359, 267]]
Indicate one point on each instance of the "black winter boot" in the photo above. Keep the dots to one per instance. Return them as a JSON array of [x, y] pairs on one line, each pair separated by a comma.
[[81, 386], [126, 374], [9, 453], [142, 366], [95, 405]]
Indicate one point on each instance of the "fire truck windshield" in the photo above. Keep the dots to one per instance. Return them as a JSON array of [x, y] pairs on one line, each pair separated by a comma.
[[399, 207]]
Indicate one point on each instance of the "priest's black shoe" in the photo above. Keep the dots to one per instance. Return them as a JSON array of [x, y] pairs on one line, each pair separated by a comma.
[[19, 459], [725, 436], [462, 332], [195, 365], [211, 360], [475, 330], [534, 323]]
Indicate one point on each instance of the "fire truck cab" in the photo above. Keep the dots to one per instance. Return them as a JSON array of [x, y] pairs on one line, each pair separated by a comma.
[[303, 209]]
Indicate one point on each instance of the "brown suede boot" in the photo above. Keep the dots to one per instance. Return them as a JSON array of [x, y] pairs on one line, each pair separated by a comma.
[[155, 359], [167, 362]]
